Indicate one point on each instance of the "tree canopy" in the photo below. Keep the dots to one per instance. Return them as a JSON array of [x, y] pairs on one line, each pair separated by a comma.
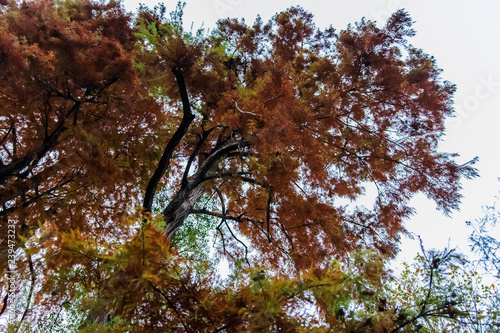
[[130, 145]]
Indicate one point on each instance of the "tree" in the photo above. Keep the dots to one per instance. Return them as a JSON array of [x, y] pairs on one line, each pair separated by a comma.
[[483, 242], [115, 134], [442, 291]]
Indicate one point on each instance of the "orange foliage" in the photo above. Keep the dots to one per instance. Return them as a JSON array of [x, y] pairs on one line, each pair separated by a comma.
[[276, 123]]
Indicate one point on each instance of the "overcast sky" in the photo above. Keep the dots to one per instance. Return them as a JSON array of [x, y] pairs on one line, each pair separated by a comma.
[[464, 37]]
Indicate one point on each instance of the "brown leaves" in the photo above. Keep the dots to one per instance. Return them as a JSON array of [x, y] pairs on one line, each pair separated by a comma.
[[274, 130]]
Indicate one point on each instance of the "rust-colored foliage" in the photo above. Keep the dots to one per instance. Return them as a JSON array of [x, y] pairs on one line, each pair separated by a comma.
[[289, 119], [77, 124], [274, 125]]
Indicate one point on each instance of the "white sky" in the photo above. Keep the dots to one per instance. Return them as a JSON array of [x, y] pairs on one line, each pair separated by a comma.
[[464, 37]]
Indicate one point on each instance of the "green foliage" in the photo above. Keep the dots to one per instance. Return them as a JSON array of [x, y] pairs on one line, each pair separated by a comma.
[[194, 239], [441, 291]]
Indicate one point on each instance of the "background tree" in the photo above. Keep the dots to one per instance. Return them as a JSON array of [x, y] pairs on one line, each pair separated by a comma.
[[483, 242], [262, 129], [442, 291]]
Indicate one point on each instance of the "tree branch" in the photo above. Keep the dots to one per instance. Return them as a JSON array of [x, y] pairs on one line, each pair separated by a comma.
[[171, 304], [196, 150], [33, 157], [268, 212], [187, 118], [220, 215]]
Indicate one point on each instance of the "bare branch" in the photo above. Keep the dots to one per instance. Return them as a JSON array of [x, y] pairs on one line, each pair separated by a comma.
[[187, 118]]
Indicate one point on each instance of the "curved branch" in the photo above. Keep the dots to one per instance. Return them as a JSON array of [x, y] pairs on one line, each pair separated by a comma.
[[216, 154], [162, 167], [239, 241]]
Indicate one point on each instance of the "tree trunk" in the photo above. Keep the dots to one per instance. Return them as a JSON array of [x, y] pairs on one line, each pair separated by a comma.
[[181, 205]]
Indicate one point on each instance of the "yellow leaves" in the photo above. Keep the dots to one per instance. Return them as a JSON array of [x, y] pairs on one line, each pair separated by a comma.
[[30, 250], [231, 118], [207, 303], [75, 242], [272, 308], [252, 125], [148, 276], [143, 282]]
